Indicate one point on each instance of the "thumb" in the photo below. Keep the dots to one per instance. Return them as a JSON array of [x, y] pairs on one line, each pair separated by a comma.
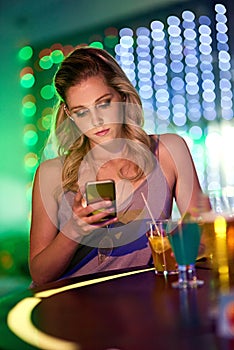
[[79, 199]]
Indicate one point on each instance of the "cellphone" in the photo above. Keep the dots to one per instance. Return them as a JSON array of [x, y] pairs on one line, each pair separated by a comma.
[[97, 191]]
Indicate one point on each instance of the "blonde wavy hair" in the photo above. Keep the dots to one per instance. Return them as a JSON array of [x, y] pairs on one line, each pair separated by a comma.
[[83, 63]]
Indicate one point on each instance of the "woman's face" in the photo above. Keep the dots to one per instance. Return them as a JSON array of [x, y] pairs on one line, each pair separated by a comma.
[[96, 109]]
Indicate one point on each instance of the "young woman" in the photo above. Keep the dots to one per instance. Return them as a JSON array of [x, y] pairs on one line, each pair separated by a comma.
[[98, 133]]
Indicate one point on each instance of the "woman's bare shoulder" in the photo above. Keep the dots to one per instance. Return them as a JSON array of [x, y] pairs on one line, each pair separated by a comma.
[[50, 170], [51, 164], [176, 146], [170, 140]]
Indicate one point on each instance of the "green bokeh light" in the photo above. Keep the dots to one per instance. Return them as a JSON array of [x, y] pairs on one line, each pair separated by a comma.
[[47, 92], [25, 53], [57, 56], [46, 62], [96, 44], [46, 121], [31, 162], [30, 137], [27, 80], [29, 109]]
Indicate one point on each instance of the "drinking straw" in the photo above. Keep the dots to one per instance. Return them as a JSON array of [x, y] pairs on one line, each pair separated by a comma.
[[151, 215]]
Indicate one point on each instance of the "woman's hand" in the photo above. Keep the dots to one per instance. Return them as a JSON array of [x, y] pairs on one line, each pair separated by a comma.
[[83, 221]]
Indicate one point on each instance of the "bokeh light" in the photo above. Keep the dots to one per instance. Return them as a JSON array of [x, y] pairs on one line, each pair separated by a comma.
[[182, 68], [26, 53]]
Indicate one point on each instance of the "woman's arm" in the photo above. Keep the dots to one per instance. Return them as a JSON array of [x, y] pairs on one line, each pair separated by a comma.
[[178, 167], [50, 250]]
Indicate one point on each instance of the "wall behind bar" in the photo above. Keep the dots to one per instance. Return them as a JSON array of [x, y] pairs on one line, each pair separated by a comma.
[[38, 24], [35, 22]]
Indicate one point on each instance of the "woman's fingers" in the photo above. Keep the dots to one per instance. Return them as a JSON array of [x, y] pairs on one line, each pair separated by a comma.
[[92, 216]]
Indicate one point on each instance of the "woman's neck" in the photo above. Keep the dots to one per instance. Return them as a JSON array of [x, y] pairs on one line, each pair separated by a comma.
[[106, 151]]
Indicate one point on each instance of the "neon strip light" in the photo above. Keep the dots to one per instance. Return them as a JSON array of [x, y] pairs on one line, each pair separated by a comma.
[[48, 293], [20, 323]]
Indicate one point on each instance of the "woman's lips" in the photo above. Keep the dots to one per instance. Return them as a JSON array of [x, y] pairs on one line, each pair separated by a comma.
[[102, 132]]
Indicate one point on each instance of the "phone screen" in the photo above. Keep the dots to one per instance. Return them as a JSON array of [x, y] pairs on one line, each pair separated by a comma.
[[101, 190]]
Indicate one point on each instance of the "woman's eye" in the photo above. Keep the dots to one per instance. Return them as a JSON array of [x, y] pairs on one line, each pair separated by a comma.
[[104, 105], [81, 114]]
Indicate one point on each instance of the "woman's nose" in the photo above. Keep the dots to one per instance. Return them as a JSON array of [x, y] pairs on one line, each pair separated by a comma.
[[96, 118]]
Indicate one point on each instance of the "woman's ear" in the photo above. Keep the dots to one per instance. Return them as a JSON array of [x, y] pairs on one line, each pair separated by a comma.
[[67, 112]]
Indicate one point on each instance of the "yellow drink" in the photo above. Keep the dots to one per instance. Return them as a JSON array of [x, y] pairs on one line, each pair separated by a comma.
[[162, 254]]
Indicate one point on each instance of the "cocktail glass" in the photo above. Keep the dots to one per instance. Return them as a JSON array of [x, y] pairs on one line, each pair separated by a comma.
[[185, 240], [163, 257]]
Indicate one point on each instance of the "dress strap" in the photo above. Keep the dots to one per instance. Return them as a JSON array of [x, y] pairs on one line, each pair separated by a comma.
[[155, 145]]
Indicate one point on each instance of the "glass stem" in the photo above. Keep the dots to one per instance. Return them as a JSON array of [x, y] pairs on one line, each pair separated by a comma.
[[182, 275], [192, 273]]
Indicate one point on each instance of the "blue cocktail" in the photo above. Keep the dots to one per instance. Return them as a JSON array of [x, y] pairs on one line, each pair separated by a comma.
[[185, 240]]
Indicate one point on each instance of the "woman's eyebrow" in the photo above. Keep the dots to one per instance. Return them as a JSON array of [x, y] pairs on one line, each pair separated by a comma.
[[109, 94]]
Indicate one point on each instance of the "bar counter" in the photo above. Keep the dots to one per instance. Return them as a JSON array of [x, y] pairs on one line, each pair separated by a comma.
[[122, 310]]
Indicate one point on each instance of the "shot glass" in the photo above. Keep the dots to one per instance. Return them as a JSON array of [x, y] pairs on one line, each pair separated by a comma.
[[163, 257]]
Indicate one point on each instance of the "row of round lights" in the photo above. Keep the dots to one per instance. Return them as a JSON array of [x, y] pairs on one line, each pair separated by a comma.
[[224, 63], [173, 70], [220, 142], [171, 64]]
